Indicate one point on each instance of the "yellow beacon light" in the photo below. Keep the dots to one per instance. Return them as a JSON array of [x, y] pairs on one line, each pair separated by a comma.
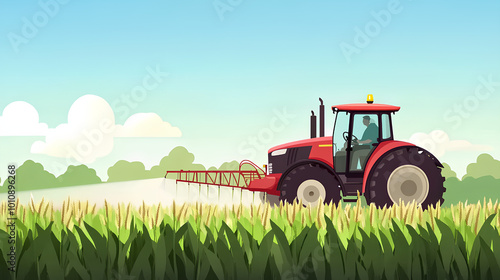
[[369, 99]]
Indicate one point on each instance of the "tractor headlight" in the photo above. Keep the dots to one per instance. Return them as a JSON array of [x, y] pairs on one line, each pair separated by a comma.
[[270, 168], [278, 152]]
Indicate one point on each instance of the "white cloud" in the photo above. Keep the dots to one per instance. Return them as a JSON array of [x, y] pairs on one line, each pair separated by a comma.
[[20, 118], [147, 125], [438, 143], [90, 131], [87, 135]]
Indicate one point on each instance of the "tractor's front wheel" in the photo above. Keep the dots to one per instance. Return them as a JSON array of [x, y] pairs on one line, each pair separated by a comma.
[[309, 183], [406, 175]]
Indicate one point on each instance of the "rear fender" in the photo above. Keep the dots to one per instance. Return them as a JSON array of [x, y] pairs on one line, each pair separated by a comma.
[[386, 147]]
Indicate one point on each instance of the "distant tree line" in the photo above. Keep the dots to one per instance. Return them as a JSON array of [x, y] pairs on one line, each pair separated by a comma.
[[481, 180], [32, 175]]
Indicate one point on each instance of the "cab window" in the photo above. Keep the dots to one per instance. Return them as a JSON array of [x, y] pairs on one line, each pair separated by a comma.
[[386, 127]]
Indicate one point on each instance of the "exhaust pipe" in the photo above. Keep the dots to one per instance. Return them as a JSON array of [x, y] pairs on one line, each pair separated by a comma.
[[313, 125], [321, 119]]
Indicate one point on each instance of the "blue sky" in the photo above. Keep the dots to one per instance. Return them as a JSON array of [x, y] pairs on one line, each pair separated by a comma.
[[230, 70]]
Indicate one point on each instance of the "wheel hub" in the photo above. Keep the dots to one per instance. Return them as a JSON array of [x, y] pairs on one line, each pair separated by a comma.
[[310, 191], [409, 188], [408, 183]]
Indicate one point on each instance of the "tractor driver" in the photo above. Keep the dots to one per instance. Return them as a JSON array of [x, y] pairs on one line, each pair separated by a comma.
[[371, 132], [370, 136]]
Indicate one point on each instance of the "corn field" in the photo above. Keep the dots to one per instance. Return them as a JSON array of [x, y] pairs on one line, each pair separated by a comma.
[[262, 241]]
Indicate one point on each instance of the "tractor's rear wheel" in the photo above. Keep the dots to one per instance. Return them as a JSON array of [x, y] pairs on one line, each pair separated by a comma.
[[407, 174], [309, 183]]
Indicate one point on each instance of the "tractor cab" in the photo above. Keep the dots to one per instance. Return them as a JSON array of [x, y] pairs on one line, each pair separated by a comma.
[[358, 130]]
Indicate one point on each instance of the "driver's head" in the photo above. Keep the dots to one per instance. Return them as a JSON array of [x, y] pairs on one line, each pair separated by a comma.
[[366, 120]]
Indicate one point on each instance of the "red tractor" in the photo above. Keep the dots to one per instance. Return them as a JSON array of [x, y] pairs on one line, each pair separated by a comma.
[[361, 156]]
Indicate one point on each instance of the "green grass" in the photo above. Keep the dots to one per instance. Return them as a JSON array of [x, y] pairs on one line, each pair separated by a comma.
[[194, 241]]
